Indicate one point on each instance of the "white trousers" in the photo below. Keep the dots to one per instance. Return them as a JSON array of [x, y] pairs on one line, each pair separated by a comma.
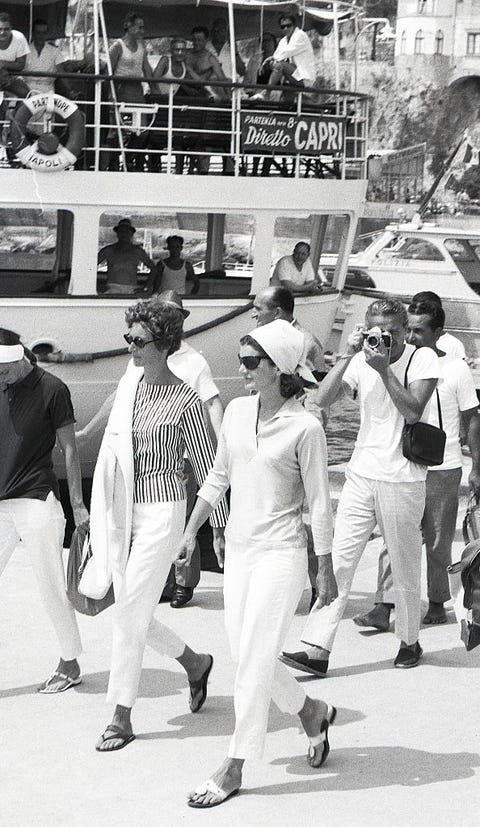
[[397, 508], [262, 589], [157, 529], [39, 526]]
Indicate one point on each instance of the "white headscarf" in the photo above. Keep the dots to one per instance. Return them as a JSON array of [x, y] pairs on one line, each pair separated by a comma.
[[284, 345], [11, 353]]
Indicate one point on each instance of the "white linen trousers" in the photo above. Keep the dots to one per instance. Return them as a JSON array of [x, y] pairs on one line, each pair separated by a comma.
[[397, 507], [157, 529], [262, 587], [39, 525]]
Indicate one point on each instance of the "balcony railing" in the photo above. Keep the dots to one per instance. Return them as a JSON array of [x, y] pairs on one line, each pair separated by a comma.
[[225, 129]]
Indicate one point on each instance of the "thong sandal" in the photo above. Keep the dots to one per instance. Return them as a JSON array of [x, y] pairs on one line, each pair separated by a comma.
[[198, 689], [210, 786], [117, 733], [319, 746], [58, 682]]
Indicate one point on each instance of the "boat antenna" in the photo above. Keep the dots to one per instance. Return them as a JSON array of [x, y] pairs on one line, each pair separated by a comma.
[[422, 208]]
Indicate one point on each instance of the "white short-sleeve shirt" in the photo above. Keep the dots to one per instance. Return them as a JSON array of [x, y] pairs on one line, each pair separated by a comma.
[[451, 345], [287, 270], [378, 449], [47, 61], [18, 47], [457, 393]]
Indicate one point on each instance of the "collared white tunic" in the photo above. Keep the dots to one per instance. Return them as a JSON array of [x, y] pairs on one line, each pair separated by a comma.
[[272, 467]]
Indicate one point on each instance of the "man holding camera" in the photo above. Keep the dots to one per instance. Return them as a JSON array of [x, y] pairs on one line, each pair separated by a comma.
[[381, 486]]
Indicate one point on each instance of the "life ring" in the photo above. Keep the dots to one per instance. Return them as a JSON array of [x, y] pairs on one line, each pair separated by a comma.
[[47, 154]]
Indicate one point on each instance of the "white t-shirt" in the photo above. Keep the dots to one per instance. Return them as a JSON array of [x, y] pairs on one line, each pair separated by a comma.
[[286, 270], [378, 450], [300, 50], [18, 48], [47, 61], [451, 345], [457, 393]]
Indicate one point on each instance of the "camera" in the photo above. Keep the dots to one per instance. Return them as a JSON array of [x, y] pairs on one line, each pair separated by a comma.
[[375, 336]]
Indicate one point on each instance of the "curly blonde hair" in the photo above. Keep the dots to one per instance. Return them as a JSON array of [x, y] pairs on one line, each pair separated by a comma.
[[163, 320]]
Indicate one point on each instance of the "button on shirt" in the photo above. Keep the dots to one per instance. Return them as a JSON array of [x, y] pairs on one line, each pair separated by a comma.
[[300, 50], [378, 450], [272, 467]]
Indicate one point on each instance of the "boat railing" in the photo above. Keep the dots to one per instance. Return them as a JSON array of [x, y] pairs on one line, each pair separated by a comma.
[[216, 128]]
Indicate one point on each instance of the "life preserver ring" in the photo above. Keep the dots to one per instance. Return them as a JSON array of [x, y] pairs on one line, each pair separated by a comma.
[[31, 155]]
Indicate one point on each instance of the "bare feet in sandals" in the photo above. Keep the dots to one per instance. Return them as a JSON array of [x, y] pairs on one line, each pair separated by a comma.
[[223, 784]]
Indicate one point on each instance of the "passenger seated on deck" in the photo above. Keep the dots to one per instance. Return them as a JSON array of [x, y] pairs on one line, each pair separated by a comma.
[[13, 53], [123, 259], [173, 272], [259, 67], [296, 271], [173, 67], [293, 62], [219, 46]]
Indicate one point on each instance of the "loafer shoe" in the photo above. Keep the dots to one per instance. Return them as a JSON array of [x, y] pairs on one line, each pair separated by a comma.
[[408, 656], [181, 596], [301, 661]]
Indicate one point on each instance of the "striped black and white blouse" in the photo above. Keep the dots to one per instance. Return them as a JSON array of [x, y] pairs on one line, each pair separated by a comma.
[[167, 423]]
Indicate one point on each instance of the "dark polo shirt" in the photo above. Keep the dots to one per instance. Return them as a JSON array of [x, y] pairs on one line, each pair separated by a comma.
[[31, 412]]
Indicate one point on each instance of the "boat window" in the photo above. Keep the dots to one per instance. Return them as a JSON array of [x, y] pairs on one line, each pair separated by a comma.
[[410, 249], [322, 233], [138, 254], [461, 250], [35, 252]]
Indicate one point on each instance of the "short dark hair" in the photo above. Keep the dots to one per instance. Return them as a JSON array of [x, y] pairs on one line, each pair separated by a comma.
[[39, 21], [427, 296], [163, 320], [387, 307], [174, 238], [130, 18], [302, 244], [432, 309], [288, 15], [5, 17], [281, 297], [200, 30]]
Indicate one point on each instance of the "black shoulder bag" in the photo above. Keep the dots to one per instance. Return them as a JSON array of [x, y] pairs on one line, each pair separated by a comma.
[[423, 443]]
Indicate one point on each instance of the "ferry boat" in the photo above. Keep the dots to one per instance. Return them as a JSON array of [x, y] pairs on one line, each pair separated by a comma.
[[410, 257], [66, 199]]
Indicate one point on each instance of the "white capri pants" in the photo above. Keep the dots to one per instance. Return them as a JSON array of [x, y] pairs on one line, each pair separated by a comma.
[[262, 587], [157, 529], [397, 508], [39, 526]]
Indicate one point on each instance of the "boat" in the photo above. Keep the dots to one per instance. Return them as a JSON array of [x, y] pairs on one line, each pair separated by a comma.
[[316, 181], [406, 258]]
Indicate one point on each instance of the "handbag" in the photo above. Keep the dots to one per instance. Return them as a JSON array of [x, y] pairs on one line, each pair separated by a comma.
[[469, 569], [421, 442], [79, 555]]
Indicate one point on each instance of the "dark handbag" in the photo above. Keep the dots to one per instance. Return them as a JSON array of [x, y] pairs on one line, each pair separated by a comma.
[[469, 568], [423, 443], [78, 557]]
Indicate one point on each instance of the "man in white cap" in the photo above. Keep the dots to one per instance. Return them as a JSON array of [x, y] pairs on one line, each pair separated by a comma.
[[35, 412], [190, 366]]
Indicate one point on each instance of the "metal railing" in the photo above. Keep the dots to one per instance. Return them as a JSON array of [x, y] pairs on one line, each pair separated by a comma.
[[215, 128]]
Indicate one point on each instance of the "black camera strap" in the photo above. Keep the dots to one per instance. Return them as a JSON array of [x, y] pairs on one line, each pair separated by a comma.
[[405, 385]]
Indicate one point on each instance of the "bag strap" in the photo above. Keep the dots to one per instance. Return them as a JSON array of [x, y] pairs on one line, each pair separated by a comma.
[[405, 385]]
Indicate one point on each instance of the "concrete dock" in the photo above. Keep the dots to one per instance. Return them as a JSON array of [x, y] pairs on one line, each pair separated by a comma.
[[405, 749]]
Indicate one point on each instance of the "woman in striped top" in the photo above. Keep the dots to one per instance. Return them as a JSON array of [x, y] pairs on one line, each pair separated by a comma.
[[155, 420]]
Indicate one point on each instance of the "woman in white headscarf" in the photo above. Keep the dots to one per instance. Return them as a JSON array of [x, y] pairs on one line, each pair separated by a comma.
[[272, 453]]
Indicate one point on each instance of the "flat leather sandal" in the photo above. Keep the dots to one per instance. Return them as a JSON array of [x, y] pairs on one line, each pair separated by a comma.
[[319, 745]]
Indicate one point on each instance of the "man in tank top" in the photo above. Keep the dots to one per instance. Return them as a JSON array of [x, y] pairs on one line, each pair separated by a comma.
[[174, 271]]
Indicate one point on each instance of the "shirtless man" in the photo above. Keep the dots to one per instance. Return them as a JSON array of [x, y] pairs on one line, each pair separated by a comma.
[[204, 63], [123, 259]]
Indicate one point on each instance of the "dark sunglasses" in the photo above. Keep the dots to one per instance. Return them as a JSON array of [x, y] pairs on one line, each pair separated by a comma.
[[250, 362], [137, 341]]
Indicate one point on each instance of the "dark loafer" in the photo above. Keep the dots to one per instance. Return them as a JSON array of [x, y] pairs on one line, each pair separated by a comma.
[[408, 656], [181, 596], [301, 661]]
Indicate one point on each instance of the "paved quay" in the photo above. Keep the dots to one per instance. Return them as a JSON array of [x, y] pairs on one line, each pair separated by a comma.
[[404, 749]]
